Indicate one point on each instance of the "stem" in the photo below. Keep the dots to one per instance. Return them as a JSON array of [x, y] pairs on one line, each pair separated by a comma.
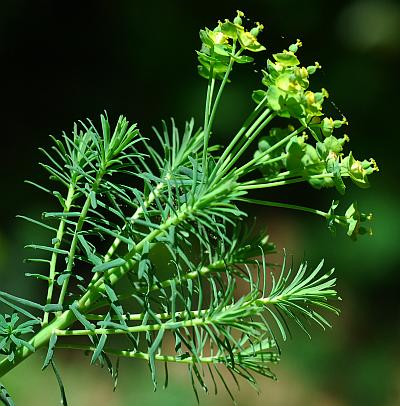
[[72, 250], [54, 256], [239, 134], [207, 130], [215, 266], [210, 91], [138, 212], [251, 134], [141, 316], [254, 161], [67, 318], [135, 329], [262, 184], [285, 206], [141, 355]]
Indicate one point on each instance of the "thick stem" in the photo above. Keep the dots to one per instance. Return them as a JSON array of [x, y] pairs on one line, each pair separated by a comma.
[[138, 212], [216, 266]]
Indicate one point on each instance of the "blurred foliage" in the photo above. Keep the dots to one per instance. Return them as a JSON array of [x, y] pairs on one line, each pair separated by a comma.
[[67, 61]]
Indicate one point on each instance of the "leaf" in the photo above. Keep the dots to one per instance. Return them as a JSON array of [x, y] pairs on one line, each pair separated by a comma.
[[258, 96], [90, 253], [37, 276], [50, 351], [152, 353], [45, 248], [5, 396], [99, 348], [80, 317], [60, 383], [243, 59], [93, 201], [22, 301], [62, 278], [39, 223], [61, 214], [19, 342], [105, 266], [52, 308]]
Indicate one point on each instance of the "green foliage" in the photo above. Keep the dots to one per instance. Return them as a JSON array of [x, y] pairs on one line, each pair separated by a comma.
[[215, 294]]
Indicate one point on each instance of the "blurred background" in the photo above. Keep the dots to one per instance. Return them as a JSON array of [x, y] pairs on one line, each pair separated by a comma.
[[65, 61]]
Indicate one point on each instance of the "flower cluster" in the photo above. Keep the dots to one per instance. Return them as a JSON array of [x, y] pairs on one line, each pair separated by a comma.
[[323, 165], [287, 83], [352, 220], [220, 46]]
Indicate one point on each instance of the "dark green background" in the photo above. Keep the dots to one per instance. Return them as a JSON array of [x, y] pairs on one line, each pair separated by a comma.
[[65, 61]]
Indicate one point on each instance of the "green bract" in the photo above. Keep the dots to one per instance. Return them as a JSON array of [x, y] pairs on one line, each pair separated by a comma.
[[213, 293]]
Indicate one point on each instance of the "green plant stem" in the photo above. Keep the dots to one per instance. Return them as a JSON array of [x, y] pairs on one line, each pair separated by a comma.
[[138, 212], [207, 131], [54, 256], [72, 250], [136, 329], [209, 97], [239, 135], [252, 164], [142, 355], [141, 316], [265, 183], [263, 120], [273, 160], [285, 206], [216, 266], [65, 319]]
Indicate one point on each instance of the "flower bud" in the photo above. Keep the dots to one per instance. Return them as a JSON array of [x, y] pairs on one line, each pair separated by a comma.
[[257, 29], [238, 19]]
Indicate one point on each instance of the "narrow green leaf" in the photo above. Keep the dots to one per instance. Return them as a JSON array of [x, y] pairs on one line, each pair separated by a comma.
[[80, 317], [52, 308], [62, 278], [99, 348], [37, 276], [5, 396], [22, 301], [60, 383], [39, 223], [93, 201], [152, 353], [61, 214], [45, 248], [109, 265]]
